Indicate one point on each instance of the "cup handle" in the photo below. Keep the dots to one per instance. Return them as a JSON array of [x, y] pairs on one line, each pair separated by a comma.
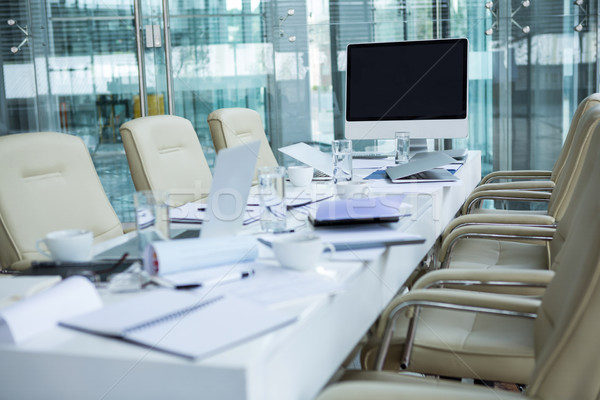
[[39, 249], [330, 247]]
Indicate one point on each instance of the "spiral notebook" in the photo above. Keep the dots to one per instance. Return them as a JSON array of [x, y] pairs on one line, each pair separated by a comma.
[[182, 323]]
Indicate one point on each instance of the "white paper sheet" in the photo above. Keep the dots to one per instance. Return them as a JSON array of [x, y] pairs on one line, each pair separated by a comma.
[[29, 317], [271, 284]]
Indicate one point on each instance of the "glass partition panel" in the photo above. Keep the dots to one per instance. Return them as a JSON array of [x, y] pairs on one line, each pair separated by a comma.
[[77, 72]]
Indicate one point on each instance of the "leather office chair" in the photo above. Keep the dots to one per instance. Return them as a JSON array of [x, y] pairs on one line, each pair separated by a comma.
[[164, 153], [49, 183], [561, 341], [565, 181], [231, 127], [503, 240], [483, 346], [545, 180]]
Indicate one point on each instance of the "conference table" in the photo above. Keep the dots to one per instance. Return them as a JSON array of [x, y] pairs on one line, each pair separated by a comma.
[[294, 362]]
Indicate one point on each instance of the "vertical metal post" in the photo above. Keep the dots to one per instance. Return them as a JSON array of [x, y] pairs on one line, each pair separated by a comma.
[[139, 43], [505, 87], [167, 28]]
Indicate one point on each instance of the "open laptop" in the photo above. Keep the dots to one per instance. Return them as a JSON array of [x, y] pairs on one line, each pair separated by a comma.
[[423, 167], [321, 162], [232, 179]]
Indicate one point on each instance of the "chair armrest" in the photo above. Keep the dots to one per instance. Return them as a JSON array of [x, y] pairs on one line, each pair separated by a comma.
[[523, 234], [541, 221], [547, 186], [452, 299], [517, 174], [500, 277], [518, 195]]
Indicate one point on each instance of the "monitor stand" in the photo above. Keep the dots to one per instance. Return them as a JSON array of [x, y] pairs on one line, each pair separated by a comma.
[[417, 145]]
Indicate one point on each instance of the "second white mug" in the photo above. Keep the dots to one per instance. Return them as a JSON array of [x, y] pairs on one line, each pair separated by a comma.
[[300, 251], [352, 189], [299, 175]]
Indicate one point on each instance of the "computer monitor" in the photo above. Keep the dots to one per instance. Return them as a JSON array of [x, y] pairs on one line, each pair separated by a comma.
[[416, 86]]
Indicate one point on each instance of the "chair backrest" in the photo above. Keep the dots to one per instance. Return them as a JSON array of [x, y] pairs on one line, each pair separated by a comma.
[[231, 127], [588, 176], [565, 185], [164, 153], [49, 183], [587, 103], [567, 326]]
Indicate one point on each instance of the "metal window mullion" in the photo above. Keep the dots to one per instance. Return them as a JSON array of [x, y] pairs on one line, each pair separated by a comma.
[[168, 72], [139, 42]]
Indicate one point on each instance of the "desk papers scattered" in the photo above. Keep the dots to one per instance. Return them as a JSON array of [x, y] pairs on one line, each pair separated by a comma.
[[192, 213], [358, 237], [182, 323], [15, 288], [366, 236], [270, 284], [31, 316]]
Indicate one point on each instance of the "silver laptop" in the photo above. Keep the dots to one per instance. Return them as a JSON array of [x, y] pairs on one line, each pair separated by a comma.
[[232, 178], [321, 162], [423, 167]]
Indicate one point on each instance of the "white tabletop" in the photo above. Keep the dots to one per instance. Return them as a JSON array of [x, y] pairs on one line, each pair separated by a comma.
[[294, 362]]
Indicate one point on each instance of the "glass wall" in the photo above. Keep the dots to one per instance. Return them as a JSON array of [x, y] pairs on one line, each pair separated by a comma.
[[73, 66]]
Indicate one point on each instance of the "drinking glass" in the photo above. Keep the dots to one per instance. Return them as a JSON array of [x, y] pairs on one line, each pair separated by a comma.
[[271, 191], [402, 147], [151, 217], [342, 160]]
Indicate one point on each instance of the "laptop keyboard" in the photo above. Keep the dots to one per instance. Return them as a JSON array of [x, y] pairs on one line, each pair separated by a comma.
[[318, 175]]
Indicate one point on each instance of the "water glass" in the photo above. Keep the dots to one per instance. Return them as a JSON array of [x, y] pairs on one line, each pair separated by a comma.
[[402, 147], [342, 160], [151, 217], [271, 191]]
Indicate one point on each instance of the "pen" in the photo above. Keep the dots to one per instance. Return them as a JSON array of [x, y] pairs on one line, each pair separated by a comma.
[[284, 231], [211, 282], [227, 279]]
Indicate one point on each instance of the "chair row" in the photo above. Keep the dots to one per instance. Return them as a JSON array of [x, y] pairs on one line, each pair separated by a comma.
[[528, 316], [49, 181], [164, 152]]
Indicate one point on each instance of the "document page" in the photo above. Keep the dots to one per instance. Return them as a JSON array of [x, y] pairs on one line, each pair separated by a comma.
[[182, 323], [31, 316]]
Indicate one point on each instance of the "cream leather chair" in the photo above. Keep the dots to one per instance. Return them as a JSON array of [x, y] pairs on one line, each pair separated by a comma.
[[164, 153], [561, 194], [49, 183], [561, 341], [544, 180], [231, 127], [485, 346], [504, 241]]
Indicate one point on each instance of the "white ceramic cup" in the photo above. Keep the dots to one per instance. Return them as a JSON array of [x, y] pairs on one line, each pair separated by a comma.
[[301, 252], [352, 189], [70, 245], [300, 175]]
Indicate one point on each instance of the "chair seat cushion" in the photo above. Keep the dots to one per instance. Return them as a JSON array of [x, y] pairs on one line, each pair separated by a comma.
[[386, 385], [485, 253], [464, 344]]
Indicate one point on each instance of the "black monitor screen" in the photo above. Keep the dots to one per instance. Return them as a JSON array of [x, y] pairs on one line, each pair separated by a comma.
[[413, 80]]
